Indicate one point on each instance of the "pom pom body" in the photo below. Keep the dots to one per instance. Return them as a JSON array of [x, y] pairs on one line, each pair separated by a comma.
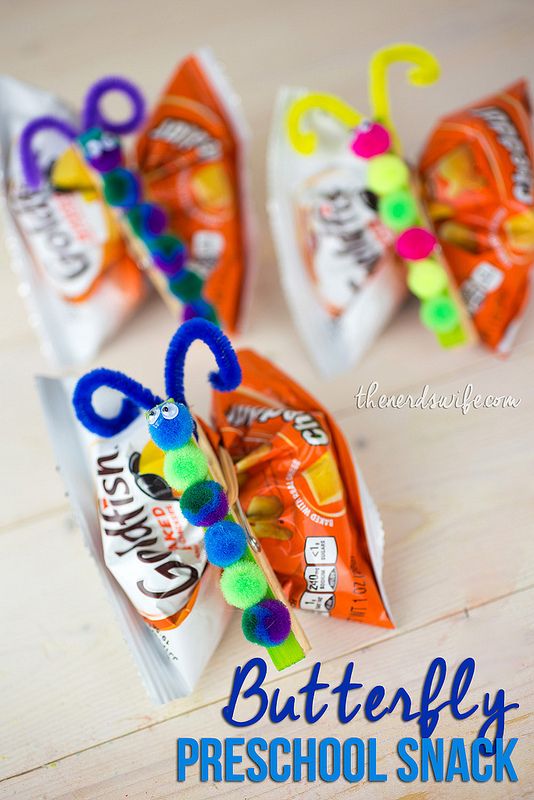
[[147, 220], [204, 503], [200, 309], [243, 584], [439, 314], [225, 543], [387, 173], [371, 140], [168, 253], [185, 466], [170, 425], [268, 623], [398, 210], [121, 188], [186, 286], [426, 278], [415, 244], [101, 149]]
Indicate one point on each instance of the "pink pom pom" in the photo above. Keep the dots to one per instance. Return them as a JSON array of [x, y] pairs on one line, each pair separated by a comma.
[[415, 244], [371, 140]]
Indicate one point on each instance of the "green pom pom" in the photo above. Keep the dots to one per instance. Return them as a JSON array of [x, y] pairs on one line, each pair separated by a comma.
[[121, 187], [439, 314], [426, 278], [185, 466], [243, 584], [398, 210], [387, 173], [186, 286]]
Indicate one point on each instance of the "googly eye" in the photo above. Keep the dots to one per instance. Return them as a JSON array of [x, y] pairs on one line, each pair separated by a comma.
[[169, 410], [108, 142], [152, 415], [94, 148]]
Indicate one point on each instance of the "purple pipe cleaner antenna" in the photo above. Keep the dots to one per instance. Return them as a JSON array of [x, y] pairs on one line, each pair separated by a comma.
[[93, 117], [30, 165]]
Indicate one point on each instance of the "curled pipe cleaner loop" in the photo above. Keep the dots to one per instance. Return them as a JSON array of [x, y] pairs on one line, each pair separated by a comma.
[[229, 375], [30, 166], [306, 142], [136, 397], [94, 117], [425, 70]]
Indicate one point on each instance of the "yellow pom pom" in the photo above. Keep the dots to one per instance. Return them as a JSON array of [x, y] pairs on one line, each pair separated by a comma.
[[426, 278], [387, 173]]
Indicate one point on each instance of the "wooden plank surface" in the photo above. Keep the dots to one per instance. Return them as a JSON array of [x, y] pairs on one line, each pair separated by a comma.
[[455, 492]]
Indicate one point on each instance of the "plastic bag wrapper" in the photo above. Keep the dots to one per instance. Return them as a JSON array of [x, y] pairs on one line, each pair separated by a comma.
[[73, 269], [340, 276], [192, 155], [476, 173], [305, 499], [151, 559]]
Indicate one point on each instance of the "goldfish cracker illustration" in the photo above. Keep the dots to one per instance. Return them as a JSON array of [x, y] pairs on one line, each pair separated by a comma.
[[192, 155], [211, 188], [519, 230], [304, 500], [477, 184], [324, 481], [459, 175]]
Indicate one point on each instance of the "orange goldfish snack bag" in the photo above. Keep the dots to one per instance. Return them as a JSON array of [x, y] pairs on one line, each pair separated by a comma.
[[476, 173], [304, 498], [192, 156]]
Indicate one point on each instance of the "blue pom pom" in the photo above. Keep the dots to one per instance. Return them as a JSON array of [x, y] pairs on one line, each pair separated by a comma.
[[170, 425], [225, 543]]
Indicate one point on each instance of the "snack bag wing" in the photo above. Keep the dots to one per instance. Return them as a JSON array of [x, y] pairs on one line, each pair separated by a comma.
[[476, 173], [74, 270], [192, 155], [166, 597], [339, 273], [168, 516], [305, 500]]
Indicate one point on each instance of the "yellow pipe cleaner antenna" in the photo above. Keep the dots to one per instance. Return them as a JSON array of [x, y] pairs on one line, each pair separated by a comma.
[[426, 70], [305, 142]]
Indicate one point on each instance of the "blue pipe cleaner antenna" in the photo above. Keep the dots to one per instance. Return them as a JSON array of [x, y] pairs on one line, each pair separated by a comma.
[[228, 376], [136, 397]]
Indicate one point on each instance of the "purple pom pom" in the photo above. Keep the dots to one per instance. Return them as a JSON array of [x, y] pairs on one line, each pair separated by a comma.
[[107, 161], [199, 309], [148, 220], [268, 623], [204, 503], [168, 253]]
